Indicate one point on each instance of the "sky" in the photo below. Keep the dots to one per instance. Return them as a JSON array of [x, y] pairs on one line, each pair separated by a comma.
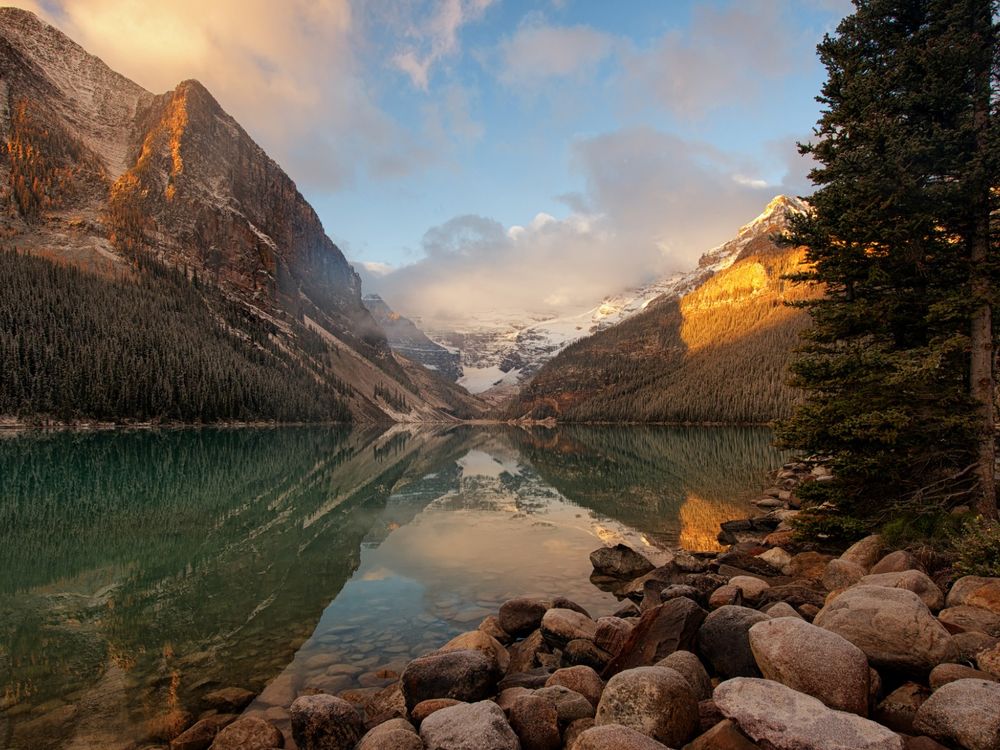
[[482, 157]]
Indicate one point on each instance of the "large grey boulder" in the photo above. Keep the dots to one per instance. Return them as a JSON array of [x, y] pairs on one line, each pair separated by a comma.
[[892, 626], [325, 722], [463, 675], [724, 640], [775, 716], [813, 661], [620, 561], [964, 713], [656, 701], [911, 580], [469, 726]]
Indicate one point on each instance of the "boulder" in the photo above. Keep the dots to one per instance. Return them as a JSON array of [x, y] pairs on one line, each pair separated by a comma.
[[892, 626], [751, 563], [777, 557], [524, 654], [561, 602], [794, 594], [477, 640], [724, 640], [723, 736], [249, 733], [667, 628], [976, 591], [656, 701], [782, 609], [614, 737], [813, 661], [462, 675], [425, 708], [691, 668], [680, 589], [896, 562], [230, 700], [468, 726], [532, 679], [560, 626], [972, 643], [199, 736], [774, 715], [911, 580], [612, 632], [726, 596], [965, 713], [865, 552], [899, 708], [491, 626], [325, 722], [581, 679], [963, 618], [620, 561], [522, 615], [751, 587], [808, 565], [840, 574], [536, 723], [574, 729], [395, 734], [582, 652], [570, 705], [942, 674], [988, 660]]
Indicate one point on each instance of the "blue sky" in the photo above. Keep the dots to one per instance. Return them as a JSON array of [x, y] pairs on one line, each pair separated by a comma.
[[479, 155]]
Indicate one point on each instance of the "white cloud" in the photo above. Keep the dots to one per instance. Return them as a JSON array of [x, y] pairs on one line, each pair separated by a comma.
[[658, 202], [436, 37], [538, 52], [728, 56]]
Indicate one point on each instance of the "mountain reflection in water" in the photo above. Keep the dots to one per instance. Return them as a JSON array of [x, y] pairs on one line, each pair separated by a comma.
[[141, 569]]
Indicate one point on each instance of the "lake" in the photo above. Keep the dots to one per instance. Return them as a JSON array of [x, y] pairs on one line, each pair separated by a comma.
[[142, 569]]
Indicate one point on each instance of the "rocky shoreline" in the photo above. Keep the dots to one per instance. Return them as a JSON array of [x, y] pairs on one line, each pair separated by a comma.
[[765, 645]]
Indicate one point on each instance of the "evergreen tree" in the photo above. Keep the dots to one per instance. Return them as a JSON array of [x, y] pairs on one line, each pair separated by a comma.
[[898, 361]]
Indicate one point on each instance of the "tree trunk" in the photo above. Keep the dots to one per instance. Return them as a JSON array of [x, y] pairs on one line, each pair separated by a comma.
[[982, 382]]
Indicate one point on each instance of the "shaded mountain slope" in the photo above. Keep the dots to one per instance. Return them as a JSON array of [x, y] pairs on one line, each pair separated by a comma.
[[716, 354]]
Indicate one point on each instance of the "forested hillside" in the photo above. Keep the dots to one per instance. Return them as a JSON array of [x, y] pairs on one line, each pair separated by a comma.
[[718, 354], [148, 346]]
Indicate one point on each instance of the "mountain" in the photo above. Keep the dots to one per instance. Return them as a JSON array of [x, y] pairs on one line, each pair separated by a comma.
[[713, 348], [500, 354], [98, 173], [409, 341]]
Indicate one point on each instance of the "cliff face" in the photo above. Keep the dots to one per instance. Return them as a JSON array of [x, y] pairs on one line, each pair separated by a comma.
[[97, 172], [716, 353], [409, 341]]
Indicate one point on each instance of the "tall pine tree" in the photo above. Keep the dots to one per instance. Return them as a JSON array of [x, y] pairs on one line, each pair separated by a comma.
[[898, 364]]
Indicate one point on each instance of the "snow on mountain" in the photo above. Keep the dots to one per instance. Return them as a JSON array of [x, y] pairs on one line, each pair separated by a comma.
[[499, 353]]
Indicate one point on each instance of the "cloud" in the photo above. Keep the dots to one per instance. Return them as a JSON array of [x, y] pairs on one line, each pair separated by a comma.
[[436, 38], [727, 56], [278, 68], [538, 52], [652, 204]]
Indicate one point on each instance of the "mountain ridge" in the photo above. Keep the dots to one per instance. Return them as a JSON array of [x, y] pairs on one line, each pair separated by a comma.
[[101, 174]]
